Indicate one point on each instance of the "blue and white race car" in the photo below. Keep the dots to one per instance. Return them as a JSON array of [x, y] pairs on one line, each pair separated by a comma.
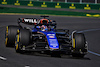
[[44, 37]]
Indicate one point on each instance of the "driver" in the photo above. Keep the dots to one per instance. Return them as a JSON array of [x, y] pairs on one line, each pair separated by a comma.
[[44, 28]]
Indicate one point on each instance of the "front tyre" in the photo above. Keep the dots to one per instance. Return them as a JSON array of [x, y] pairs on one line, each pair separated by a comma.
[[23, 39], [79, 45], [17, 45]]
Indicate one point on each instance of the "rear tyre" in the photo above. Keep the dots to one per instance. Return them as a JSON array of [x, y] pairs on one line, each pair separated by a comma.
[[23, 39], [10, 35], [79, 45]]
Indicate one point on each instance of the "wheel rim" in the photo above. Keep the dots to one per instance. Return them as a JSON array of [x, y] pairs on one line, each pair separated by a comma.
[[73, 43], [17, 41], [6, 38]]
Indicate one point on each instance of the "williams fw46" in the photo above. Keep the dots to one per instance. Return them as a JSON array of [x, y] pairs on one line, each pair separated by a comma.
[[41, 35]]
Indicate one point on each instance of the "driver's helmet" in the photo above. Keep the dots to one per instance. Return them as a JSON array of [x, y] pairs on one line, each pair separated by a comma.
[[44, 28]]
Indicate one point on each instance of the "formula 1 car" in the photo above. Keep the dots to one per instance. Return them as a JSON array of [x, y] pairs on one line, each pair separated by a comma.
[[44, 37]]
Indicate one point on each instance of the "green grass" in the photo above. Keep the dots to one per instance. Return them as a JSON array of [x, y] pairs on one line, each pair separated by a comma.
[[38, 11]]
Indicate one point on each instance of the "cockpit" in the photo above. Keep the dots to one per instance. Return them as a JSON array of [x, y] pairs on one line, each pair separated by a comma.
[[39, 24], [44, 21]]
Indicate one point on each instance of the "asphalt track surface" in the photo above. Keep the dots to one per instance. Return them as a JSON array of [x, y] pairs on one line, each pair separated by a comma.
[[89, 26]]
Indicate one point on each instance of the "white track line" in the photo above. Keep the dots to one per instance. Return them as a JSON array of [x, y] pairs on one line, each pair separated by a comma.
[[3, 58], [94, 53]]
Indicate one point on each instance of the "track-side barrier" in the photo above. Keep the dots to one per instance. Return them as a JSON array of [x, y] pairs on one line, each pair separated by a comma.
[[51, 4]]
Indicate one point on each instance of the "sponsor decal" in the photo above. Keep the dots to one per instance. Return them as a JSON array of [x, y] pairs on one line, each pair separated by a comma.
[[51, 35], [52, 40], [29, 20]]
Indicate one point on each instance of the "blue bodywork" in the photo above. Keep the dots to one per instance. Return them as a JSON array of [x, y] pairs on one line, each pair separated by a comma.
[[51, 38]]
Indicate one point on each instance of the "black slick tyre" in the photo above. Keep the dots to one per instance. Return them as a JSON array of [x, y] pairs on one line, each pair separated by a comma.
[[10, 35], [23, 39], [79, 45]]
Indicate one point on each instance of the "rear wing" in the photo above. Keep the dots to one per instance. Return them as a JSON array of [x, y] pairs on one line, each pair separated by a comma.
[[30, 21], [34, 21]]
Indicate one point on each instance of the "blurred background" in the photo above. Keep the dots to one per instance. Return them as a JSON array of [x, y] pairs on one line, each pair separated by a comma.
[[76, 1]]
